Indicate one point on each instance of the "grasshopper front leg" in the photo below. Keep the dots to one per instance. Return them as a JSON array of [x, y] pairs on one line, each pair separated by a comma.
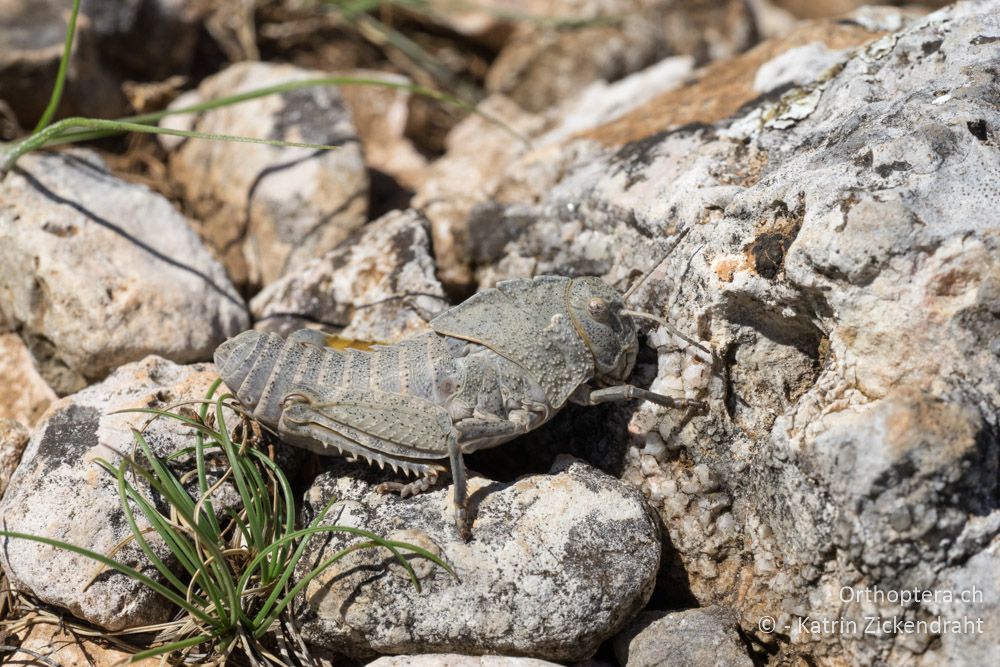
[[627, 392]]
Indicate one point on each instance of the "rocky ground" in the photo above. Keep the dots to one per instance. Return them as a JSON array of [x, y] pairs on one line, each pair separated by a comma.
[[827, 176]]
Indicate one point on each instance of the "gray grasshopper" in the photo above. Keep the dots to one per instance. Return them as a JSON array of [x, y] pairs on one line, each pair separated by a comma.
[[492, 368]]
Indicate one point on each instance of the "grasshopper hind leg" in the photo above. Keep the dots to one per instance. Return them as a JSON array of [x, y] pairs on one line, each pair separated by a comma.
[[429, 480], [404, 432]]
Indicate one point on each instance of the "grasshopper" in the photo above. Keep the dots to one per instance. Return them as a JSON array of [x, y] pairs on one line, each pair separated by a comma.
[[492, 368]]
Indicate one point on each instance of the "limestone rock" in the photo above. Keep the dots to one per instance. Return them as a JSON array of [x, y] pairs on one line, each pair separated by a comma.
[[821, 8], [842, 258], [545, 62], [378, 285], [557, 563], [267, 210], [13, 439], [67, 650], [478, 150], [381, 115], [96, 272], [454, 660], [480, 153], [692, 638], [60, 492], [24, 395]]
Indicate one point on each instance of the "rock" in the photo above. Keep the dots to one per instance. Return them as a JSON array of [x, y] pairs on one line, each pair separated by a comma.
[[59, 492], [97, 272], [489, 23], [24, 394], [67, 650], [480, 150], [454, 660], [771, 21], [842, 258], [557, 564], [973, 639], [692, 638], [378, 285], [32, 34], [822, 8], [267, 210], [13, 439], [545, 62], [381, 116]]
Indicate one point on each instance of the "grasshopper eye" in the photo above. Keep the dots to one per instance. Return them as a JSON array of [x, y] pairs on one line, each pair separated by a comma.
[[599, 309]]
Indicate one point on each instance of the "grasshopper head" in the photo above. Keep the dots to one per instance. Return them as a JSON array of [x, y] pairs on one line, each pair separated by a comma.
[[596, 310]]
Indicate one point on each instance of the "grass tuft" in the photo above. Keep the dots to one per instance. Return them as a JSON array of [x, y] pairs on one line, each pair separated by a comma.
[[232, 579]]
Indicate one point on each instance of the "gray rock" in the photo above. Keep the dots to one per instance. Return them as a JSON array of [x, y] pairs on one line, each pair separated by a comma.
[[692, 638], [32, 33], [544, 62], [379, 285], [557, 564], [842, 258], [267, 210], [58, 491], [97, 272], [382, 115], [24, 395], [454, 660], [480, 150], [973, 638], [13, 439]]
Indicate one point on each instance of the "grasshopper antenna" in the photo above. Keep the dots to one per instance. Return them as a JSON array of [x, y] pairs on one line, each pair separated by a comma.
[[671, 328], [659, 320], [634, 288]]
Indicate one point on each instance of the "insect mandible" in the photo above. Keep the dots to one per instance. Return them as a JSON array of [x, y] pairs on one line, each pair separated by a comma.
[[492, 368]]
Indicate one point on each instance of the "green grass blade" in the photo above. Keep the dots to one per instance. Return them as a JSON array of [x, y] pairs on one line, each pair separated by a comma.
[[120, 567], [221, 571], [181, 546], [175, 494], [199, 458], [60, 83], [137, 533], [170, 648], [290, 564], [52, 135], [177, 497], [289, 86], [242, 487], [288, 502]]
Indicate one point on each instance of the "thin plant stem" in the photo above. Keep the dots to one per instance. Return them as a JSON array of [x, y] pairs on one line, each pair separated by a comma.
[[57, 89]]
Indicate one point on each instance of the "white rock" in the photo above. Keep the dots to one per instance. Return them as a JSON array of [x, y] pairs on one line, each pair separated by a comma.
[[557, 563], [97, 272], [378, 285], [455, 660], [24, 395], [267, 210], [60, 492], [692, 638]]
